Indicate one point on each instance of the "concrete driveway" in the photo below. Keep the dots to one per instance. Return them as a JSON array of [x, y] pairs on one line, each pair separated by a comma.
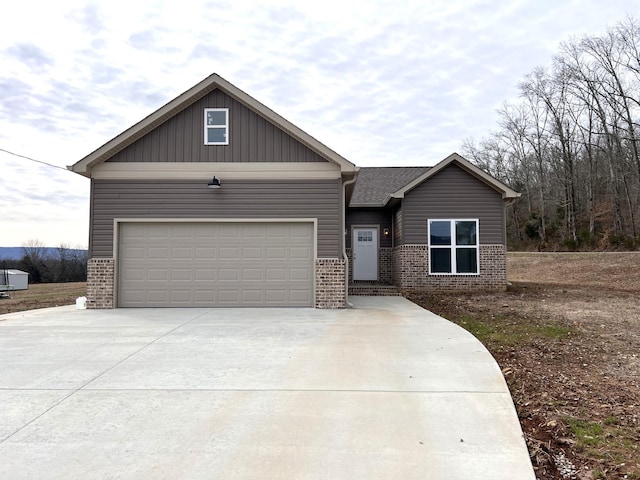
[[386, 390]]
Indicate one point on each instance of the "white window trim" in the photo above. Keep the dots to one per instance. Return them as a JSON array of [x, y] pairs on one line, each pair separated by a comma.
[[453, 247], [207, 127]]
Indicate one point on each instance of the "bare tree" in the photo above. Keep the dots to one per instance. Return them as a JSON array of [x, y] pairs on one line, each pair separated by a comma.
[[572, 145], [34, 253]]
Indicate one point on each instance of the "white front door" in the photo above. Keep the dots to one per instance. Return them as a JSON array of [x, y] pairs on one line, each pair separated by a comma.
[[365, 253]]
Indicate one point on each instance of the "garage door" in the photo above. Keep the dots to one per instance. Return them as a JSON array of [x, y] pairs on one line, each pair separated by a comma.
[[215, 264]]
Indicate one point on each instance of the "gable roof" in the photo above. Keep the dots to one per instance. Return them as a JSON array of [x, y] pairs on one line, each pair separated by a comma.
[[376, 186], [178, 104]]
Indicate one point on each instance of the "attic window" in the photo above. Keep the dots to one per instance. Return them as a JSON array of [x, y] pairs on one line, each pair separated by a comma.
[[216, 126]]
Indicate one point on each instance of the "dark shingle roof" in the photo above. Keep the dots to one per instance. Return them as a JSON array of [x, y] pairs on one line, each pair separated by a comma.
[[375, 184]]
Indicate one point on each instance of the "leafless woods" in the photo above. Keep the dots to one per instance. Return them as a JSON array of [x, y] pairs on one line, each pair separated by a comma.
[[571, 145]]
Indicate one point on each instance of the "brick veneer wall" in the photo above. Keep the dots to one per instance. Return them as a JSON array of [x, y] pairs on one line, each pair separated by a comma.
[[330, 283], [385, 265], [100, 272], [411, 270]]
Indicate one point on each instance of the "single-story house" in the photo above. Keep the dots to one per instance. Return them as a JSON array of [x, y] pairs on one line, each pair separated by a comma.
[[216, 200]]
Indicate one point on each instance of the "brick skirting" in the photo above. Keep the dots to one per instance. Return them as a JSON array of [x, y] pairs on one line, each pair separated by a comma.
[[411, 270], [330, 283], [100, 272]]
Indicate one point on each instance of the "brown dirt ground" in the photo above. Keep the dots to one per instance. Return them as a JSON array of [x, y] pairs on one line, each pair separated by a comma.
[[43, 295], [566, 334]]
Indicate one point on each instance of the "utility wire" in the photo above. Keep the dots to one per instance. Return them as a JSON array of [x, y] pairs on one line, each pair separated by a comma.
[[33, 160]]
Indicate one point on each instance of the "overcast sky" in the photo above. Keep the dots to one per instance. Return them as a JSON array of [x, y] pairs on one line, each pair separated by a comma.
[[381, 82]]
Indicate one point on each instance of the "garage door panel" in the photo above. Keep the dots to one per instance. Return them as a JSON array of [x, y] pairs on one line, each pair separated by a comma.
[[180, 296], [157, 296], [299, 274], [229, 297], [276, 253], [216, 264], [205, 274], [229, 253], [299, 296], [252, 274], [157, 274], [134, 274], [181, 275], [228, 274], [204, 297], [206, 253], [133, 252], [275, 274], [157, 253], [181, 253], [299, 253]]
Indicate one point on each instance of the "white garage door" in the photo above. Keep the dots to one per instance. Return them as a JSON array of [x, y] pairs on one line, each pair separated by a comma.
[[215, 264]]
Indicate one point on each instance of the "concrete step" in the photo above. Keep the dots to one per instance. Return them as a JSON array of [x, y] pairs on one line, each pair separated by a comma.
[[373, 289]]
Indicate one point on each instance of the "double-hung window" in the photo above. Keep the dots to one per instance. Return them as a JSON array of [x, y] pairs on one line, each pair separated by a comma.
[[216, 126], [453, 247]]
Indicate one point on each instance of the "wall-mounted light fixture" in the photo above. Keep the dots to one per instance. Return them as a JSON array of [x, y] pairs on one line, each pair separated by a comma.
[[214, 183], [385, 232]]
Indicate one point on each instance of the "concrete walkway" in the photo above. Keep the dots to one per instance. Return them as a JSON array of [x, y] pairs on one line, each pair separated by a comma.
[[386, 390]]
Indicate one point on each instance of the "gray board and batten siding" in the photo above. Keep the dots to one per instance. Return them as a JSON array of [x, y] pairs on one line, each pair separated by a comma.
[[252, 138], [449, 194], [237, 199]]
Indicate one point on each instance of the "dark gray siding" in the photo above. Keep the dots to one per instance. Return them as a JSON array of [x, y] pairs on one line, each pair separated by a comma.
[[397, 227], [369, 216], [453, 193], [251, 138], [319, 199]]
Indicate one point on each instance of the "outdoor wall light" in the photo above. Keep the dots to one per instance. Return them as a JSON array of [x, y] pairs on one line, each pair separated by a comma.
[[385, 232], [214, 183]]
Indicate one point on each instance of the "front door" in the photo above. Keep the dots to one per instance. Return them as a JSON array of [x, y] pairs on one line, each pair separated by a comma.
[[365, 253]]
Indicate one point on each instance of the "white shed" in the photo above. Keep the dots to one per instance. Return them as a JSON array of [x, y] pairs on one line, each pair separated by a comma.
[[13, 280]]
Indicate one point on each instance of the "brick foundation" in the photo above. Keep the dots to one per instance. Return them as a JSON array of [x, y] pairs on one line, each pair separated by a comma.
[[411, 270], [100, 273], [330, 283]]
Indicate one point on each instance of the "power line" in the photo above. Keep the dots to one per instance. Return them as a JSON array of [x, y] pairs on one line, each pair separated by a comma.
[[33, 159]]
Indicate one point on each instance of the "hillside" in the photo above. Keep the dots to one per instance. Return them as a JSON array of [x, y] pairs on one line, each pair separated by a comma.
[[16, 253]]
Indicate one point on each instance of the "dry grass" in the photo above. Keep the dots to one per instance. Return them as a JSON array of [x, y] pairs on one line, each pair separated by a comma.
[[43, 295]]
